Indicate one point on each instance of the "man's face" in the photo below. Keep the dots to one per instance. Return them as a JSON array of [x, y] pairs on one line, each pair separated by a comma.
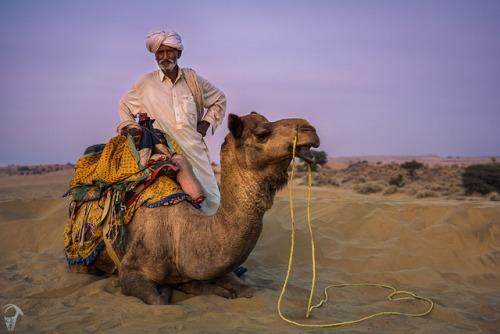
[[166, 57]]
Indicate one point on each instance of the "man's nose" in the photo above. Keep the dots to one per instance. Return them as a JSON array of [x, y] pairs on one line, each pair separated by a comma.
[[162, 55]]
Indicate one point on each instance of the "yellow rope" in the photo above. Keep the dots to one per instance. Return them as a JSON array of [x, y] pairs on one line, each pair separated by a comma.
[[395, 292]]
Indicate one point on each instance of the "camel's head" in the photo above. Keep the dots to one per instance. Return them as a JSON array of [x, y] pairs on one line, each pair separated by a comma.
[[259, 143]]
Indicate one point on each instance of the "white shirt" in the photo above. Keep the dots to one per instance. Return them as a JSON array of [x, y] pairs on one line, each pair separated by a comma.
[[174, 110]]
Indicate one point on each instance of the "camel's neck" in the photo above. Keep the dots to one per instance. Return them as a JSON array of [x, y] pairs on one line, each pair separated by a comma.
[[242, 198], [226, 239], [245, 195]]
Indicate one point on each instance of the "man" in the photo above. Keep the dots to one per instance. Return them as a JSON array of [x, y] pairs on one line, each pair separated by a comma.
[[176, 99]]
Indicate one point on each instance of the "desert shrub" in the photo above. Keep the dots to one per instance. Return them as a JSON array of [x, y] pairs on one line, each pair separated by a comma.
[[412, 166], [354, 179], [425, 193], [482, 179], [494, 196], [413, 190], [397, 181], [368, 188], [390, 190], [333, 181], [300, 168]]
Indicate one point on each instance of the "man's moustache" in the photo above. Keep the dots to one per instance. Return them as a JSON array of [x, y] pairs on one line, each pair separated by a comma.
[[166, 61]]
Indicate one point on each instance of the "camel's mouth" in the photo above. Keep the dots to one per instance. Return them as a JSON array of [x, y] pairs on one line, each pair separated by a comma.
[[309, 139], [305, 154]]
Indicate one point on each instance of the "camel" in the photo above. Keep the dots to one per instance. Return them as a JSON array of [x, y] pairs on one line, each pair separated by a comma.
[[180, 247]]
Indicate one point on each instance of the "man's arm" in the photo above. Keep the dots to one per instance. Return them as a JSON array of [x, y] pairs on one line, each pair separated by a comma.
[[129, 105], [215, 101]]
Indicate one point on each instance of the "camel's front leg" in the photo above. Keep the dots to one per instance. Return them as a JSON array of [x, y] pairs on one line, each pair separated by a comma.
[[145, 289], [234, 284]]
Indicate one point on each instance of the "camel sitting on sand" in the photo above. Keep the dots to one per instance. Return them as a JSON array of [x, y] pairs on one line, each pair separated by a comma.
[[180, 247]]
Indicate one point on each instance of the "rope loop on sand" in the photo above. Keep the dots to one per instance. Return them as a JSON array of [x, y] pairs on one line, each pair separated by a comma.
[[408, 295]]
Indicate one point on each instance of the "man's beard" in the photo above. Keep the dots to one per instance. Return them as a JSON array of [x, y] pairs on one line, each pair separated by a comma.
[[167, 64]]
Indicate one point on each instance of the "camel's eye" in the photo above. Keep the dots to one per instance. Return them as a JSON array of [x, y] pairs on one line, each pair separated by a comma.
[[262, 134]]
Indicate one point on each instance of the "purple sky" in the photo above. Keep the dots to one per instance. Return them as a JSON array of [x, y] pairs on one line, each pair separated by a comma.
[[375, 77]]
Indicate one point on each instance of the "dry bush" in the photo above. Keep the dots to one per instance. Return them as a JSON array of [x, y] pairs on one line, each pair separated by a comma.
[[366, 178], [397, 180], [413, 190], [494, 196], [333, 181], [368, 188], [482, 179], [34, 169], [425, 193], [390, 190]]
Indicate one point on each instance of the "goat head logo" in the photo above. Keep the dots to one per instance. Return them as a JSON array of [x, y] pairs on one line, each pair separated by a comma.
[[10, 322]]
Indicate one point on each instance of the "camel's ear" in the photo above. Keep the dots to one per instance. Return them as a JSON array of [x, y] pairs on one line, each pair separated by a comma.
[[235, 125]]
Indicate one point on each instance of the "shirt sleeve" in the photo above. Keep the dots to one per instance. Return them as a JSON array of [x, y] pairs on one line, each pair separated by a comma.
[[129, 105], [215, 101]]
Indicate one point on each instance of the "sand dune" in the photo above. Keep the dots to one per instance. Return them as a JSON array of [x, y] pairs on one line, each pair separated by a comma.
[[445, 250]]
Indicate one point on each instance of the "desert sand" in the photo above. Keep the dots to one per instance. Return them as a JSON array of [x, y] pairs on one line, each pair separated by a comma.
[[443, 249]]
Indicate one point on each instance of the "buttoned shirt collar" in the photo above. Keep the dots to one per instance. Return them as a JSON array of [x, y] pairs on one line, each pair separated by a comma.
[[163, 76]]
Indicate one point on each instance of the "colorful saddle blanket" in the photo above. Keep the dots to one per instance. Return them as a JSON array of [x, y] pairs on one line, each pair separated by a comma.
[[110, 182]]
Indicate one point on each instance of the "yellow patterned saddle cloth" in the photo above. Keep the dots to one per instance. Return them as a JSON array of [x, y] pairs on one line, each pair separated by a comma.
[[110, 183]]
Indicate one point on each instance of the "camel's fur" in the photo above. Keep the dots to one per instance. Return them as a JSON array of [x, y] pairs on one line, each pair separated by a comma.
[[179, 246]]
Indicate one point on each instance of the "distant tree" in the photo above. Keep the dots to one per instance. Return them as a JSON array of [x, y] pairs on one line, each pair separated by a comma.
[[320, 159], [320, 156], [412, 166], [482, 179]]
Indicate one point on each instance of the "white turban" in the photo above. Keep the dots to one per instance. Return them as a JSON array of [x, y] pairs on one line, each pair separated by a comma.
[[158, 38]]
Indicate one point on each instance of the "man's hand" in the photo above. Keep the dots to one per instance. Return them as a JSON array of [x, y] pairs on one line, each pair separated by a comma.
[[202, 127]]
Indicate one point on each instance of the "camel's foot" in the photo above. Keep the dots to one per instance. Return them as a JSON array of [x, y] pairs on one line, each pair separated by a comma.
[[234, 284], [145, 289], [204, 288]]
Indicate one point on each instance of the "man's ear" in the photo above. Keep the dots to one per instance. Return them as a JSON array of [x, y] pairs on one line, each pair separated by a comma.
[[179, 53], [235, 125]]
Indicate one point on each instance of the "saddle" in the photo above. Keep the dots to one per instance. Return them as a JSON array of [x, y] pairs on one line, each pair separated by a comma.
[[141, 166]]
